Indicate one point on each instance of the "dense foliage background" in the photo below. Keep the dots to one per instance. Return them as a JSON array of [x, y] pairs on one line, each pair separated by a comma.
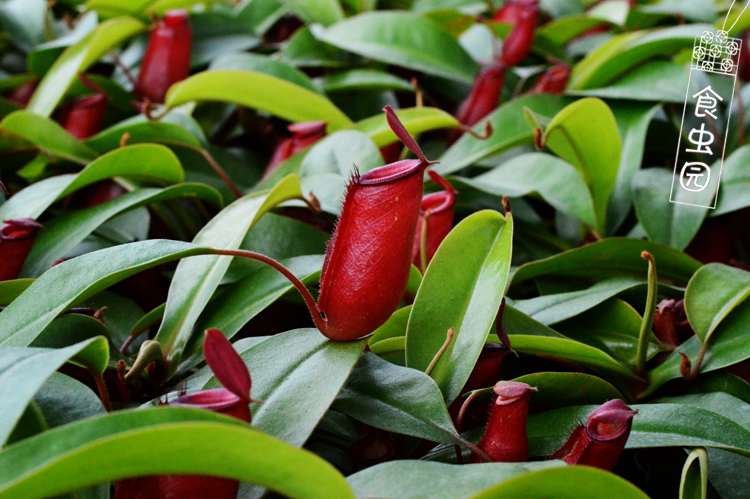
[[136, 189]]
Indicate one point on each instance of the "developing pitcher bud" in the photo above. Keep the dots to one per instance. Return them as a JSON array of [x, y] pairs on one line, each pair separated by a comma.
[[367, 263], [517, 45], [16, 240], [437, 215], [83, 117], [553, 81], [167, 58], [232, 400], [600, 442], [508, 13], [483, 97], [22, 94], [505, 439], [304, 135]]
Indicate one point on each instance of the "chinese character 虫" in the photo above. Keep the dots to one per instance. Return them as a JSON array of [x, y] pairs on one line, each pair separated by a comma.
[[702, 144]]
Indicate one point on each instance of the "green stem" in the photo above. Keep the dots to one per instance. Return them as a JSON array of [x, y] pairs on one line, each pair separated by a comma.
[[648, 314]]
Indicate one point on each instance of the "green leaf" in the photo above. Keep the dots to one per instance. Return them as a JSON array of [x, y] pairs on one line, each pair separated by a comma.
[[555, 180], [330, 164], [160, 132], [395, 326], [566, 389], [713, 292], [403, 39], [461, 289], [240, 301], [562, 30], [145, 162], [364, 79], [694, 481], [195, 280], [554, 308], [71, 282], [614, 327], [665, 222], [572, 351], [258, 91], [246, 61], [63, 233], [162, 441], [297, 375], [46, 135], [303, 49], [569, 482], [617, 56], [396, 480], [416, 120], [397, 399], [585, 134], [79, 57], [509, 130], [655, 425], [24, 370], [735, 173], [10, 290], [612, 258], [632, 122], [24, 22], [325, 12]]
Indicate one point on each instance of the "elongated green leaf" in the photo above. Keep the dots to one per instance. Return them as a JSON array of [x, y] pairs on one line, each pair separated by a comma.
[[475, 259], [77, 58], [10, 290], [671, 224], [146, 162], [325, 12], [713, 292], [555, 180], [160, 132], [735, 176], [550, 309], [415, 119], [242, 300], [63, 233], [570, 482], [572, 351], [585, 134], [611, 258], [24, 370], [46, 135], [70, 282], [395, 480], [163, 441], [195, 280], [566, 389], [397, 399], [246, 61], [403, 39], [655, 425], [627, 50], [694, 481], [562, 30], [509, 130], [258, 91], [632, 122], [364, 79], [395, 326], [297, 375]]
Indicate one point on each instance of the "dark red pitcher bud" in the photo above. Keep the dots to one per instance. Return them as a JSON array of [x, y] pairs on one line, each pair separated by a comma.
[[16, 240], [601, 441], [167, 58], [671, 325], [742, 59], [83, 117], [435, 221], [232, 400], [505, 439], [553, 81], [517, 45], [486, 373], [508, 13], [304, 135], [367, 263], [483, 97], [22, 94]]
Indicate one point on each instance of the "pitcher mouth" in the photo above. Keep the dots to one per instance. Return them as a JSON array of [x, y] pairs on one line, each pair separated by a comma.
[[216, 399], [437, 202], [391, 173]]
